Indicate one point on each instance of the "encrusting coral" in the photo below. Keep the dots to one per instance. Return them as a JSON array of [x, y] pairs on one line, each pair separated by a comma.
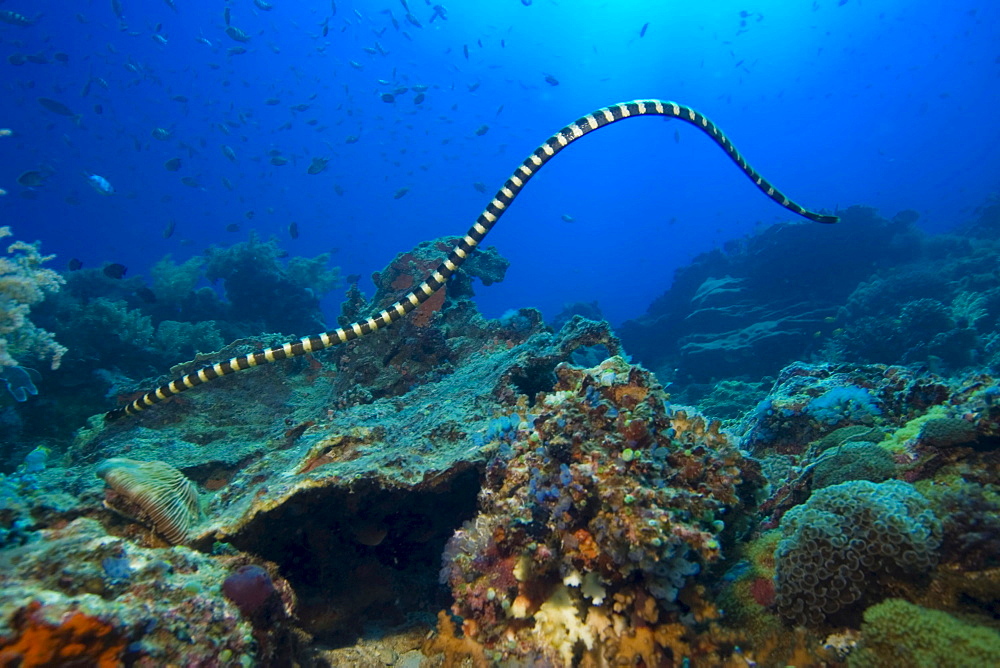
[[155, 492], [898, 633]]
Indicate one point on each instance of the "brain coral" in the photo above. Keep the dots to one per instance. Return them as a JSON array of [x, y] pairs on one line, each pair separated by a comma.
[[849, 540]]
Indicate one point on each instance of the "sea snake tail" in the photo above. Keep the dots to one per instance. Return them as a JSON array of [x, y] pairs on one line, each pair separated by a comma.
[[487, 219]]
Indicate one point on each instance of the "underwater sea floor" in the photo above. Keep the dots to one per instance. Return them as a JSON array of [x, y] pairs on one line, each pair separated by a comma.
[[458, 491]]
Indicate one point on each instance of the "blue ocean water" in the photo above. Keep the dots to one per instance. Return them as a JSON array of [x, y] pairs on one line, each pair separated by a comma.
[[886, 104]]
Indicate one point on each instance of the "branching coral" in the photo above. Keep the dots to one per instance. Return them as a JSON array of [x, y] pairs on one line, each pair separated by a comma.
[[24, 283]]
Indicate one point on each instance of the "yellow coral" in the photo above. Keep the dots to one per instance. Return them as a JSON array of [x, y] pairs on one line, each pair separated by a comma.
[[559, 623]]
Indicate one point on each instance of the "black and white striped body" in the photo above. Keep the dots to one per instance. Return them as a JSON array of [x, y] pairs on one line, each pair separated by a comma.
[[487, 219]]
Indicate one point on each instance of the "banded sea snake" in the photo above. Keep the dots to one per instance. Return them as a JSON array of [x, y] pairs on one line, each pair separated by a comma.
[[487, 219]]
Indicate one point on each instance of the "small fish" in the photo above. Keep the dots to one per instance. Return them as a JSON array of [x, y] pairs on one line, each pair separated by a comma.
[[173, 164], [677, 136], [74, 264], [318, 165], [15, 19], [356, 65], [419, 88], [233, 227], [351, 139], [526, 3], [160, 39], [413, 20], [642, 31], [263, 6], [100, 184], [179, 98], [98, 109], [190, 182], [37, 58], [293, 230], [162, 134], [473, 87], [400, 192], [418, 98], [250, 214], [568, 218], [228, 184], [168, 231], [2, 192], [236, 51], [465, 50], [229, 152], [337, 189], [55, 106], [279, 160], [302, 106], [6, 132], [237, 34], [272, 101], [551, 80], [482, 129], [116, 270], [60, 57], [480, 186], [388, 97], [226, 15], [17, 59], [32, 178]]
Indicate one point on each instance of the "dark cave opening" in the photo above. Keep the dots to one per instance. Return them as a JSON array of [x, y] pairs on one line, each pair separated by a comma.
[[366, 559]]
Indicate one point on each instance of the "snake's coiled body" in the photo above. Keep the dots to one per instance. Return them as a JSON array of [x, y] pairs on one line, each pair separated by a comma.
[[487, 219]]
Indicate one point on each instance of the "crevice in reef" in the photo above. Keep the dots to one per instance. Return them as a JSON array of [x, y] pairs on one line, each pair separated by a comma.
[[364, 558]]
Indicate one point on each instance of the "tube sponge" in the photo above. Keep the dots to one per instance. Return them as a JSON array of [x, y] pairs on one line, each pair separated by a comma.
[[154, 492]]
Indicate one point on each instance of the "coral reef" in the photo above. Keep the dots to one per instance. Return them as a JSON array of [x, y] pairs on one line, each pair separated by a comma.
[[24, 282], [77, 594], [898, 633], [601, 506], [847, 545], [455, 490]]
